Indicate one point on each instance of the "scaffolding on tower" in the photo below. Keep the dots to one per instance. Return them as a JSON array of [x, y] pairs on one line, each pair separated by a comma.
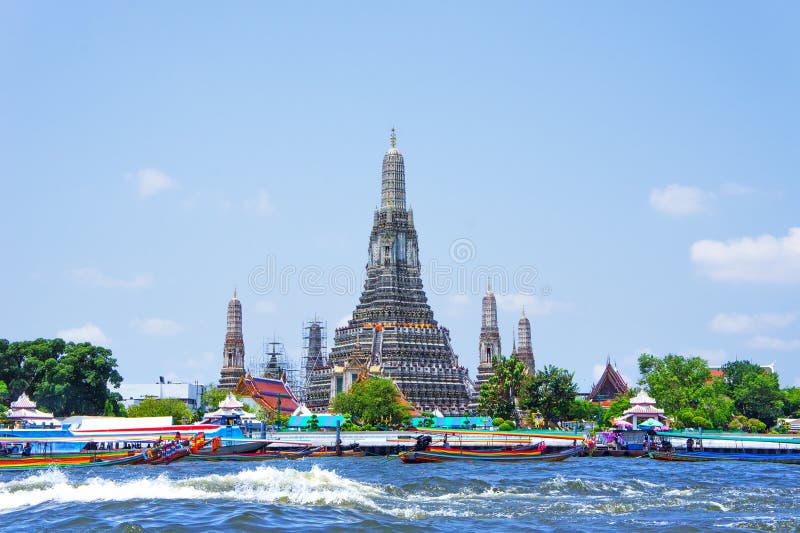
[[315, 352], [273, 363]]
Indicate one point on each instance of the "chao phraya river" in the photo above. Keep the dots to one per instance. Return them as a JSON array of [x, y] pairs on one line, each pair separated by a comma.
[[381, 494]]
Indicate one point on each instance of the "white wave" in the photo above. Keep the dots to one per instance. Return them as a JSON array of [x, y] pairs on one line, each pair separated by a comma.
[[263, 484]]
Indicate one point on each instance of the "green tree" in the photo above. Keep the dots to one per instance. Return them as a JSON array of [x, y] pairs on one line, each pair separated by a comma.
[[313, 423], [498, 396], [756, 394], [372, 401], [65, 378], [674, 381], [551, 391], [161, 407], [212, 397], [791, 402], [617, 407], [582, 410]]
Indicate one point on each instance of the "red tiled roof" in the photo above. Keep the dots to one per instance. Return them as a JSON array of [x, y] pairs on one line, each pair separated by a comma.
[[265, 392], [610, 384]]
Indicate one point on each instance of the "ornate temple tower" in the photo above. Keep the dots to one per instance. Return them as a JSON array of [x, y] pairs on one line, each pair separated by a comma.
[[233, 352], [489, 341], [525, 349], [392, 331]]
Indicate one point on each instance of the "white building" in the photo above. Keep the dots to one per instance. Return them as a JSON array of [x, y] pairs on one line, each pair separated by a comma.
[[188, 393]]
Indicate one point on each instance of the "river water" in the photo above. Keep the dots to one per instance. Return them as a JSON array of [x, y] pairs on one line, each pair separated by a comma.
[[380, 494]]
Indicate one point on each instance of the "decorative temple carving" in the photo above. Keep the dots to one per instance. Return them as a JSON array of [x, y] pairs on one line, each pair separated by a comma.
[[233, 350], [392, 329]]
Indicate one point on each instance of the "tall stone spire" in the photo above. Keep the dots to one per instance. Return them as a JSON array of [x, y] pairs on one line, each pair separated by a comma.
[[393, 178], [393, 328], [525, 349], [489, 341], [233, 350]]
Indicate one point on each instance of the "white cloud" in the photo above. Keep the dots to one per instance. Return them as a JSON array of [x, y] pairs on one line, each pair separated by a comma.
[[261, 204], [156, 327], [94, 277], [736, 189], [533, 304], [152, 181], [764, 259], [680, 200], [744, 323], [771, 343], [86, 333], [265, 307]]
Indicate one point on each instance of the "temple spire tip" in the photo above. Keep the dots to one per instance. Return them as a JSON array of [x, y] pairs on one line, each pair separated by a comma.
[[393, 139]]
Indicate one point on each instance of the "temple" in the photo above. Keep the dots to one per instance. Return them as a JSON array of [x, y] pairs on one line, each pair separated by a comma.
[[489, 340], [317, 373], [392, 332], [609, 386], [525, 340], [233, 351]]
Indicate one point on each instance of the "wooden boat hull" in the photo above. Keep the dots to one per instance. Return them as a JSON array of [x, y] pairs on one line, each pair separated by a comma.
[[233, 449], [428, 456], [345, 453], [76, 460], [259, 456], [697, 457]]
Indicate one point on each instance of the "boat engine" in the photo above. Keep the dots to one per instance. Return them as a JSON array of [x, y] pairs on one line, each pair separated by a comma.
[[423, 441]]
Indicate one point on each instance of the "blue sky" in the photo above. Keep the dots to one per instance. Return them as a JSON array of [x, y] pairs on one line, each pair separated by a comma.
[[641, 158]]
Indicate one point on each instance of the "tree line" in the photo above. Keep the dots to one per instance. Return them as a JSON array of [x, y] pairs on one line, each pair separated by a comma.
[[64, 378], [550, 391], [742, 396], [745, 395]]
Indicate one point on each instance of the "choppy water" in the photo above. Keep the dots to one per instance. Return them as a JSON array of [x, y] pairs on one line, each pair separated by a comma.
[[334, 494]]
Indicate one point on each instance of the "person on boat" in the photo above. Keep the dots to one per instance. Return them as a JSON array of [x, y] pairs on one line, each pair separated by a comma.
[[26, 450], [689, 444], [445, 443]]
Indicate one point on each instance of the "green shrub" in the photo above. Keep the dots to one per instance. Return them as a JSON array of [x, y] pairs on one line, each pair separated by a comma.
[[506, 426], [756, 425]]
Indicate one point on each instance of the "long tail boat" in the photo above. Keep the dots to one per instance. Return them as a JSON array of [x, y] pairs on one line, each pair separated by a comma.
[[431, 456], [171, 451], [254, 456], [14, 463], [425, 452], [696, 457], [325, 451]]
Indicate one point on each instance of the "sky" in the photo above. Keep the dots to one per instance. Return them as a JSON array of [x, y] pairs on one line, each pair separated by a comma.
[[627, 172]]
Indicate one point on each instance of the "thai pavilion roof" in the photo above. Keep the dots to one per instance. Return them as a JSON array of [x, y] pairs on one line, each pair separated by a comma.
[[610, 384], [23, 402], [28, 414], [642, 398], [643, 405], [265, 392], [230, 402]]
